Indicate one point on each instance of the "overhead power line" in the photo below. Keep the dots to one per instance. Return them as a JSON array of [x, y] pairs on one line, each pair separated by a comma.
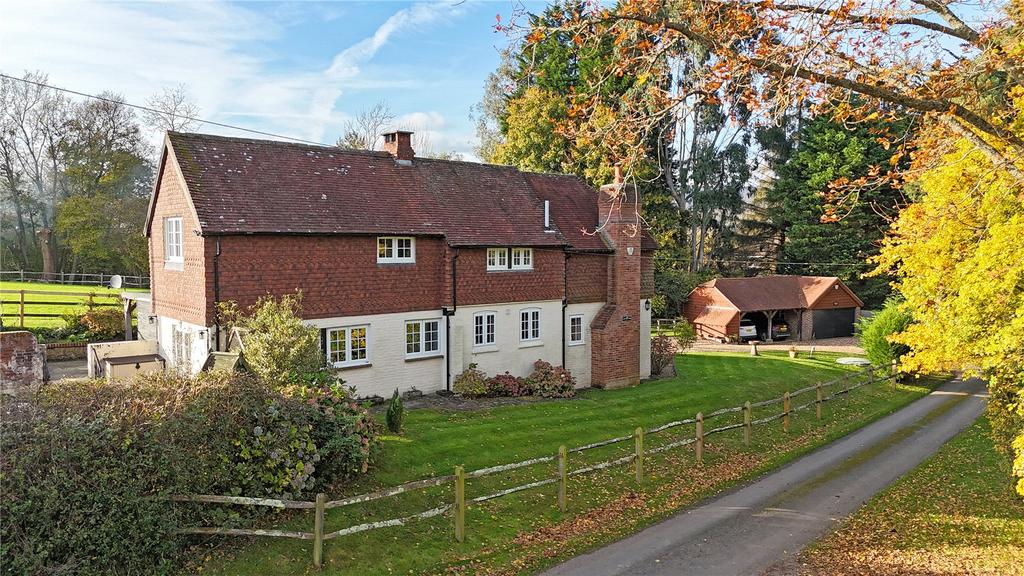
[[155, 111]]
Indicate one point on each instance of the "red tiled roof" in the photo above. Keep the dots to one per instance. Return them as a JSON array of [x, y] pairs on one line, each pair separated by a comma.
[[244, 186], [773, 292], [574, 210]]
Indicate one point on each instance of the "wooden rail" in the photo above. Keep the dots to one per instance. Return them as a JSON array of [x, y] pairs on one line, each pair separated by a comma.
[[83, 299], [560, 476]]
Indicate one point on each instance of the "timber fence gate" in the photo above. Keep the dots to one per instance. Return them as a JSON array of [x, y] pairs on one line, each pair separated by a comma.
[[458, 504]]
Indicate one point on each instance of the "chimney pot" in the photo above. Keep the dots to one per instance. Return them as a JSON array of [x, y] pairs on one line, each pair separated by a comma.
[[399, 145], [618, 174]]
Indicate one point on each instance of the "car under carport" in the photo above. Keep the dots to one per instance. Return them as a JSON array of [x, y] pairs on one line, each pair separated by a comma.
[[814, 307]]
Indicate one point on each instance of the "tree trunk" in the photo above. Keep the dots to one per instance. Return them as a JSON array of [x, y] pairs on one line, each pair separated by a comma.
[[47, 249]]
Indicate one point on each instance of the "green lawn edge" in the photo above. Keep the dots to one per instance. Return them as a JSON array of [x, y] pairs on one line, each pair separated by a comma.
[[956, 512], [292, 558]]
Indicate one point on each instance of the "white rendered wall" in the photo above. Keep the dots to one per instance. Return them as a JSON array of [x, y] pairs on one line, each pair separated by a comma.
[[389, 367], [645, 340], [508, 353], [200, 342], [577, 357]]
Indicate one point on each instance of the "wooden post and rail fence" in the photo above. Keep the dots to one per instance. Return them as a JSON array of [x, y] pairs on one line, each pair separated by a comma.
[[81, 299], [459, 502]]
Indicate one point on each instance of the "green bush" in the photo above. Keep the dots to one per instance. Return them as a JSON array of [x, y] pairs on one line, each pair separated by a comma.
[[471, 382], [551, 381], [876, 331], [396, 413], [684, 334], [86, 466], [279, 347]]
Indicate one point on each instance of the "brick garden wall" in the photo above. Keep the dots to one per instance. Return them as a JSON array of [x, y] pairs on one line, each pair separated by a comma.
[[22, 363]]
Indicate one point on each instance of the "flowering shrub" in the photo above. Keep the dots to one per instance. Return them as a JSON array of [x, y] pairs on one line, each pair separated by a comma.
[[471, 382], [508, 385], [551, 381], [663, 351]]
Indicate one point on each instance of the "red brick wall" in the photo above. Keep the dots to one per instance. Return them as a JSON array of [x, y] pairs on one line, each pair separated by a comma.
[[478, 286], [177, 293], [615, 331], [588, 278], [338, 275], [22, 363], [834, 298]]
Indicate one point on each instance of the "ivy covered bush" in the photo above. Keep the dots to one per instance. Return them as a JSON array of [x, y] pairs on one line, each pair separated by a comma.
[[87, 465]]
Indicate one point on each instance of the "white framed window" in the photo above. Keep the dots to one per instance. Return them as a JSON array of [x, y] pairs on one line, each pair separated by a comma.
[[576, 336], [529, 324], [422, 338], [522, 258], [396, 250], [173, 240], [483, 328], [348, 346], [497, 259]]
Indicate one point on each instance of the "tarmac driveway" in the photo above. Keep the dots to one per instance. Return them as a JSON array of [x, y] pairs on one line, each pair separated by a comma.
[[746, 531]]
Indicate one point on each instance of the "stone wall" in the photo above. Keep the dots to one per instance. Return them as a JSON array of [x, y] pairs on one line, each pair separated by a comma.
[[22, 363]]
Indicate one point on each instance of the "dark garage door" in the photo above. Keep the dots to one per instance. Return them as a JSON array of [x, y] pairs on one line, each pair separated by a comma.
[[833, 323]]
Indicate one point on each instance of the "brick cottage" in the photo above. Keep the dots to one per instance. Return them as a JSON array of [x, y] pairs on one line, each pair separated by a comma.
[[412, 268]]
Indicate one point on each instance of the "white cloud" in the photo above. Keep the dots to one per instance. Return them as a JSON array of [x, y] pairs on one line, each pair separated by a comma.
[[216, 48]]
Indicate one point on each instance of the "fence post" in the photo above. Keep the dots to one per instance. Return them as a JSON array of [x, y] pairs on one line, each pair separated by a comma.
[[460, 504], [817, 401], [563, 477], [785, 412], [746, 422], [639, 435], [318, 531], [894, 373], [21, 308], [700, 438]]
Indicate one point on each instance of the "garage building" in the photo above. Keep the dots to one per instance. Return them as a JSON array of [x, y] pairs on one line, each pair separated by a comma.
[[811, 306]]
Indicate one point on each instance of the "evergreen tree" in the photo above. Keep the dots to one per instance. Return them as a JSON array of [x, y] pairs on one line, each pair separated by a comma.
[[829, 152]]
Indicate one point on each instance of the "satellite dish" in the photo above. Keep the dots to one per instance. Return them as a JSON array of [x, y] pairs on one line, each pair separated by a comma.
[[115, 281]]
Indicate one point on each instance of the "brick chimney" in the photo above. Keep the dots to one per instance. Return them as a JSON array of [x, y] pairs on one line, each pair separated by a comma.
[[615, 331], [399, 145]]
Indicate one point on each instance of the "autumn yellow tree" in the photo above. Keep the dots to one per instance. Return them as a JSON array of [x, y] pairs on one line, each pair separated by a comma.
[[959, 259]]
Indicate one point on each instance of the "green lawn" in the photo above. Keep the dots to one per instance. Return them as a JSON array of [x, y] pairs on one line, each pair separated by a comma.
[[525, 531], [955, 514], [68, 304]]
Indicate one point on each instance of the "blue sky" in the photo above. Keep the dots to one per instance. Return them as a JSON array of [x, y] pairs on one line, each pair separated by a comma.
[[295, 68]]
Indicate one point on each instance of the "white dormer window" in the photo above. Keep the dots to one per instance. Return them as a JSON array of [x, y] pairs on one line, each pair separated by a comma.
[[396, 250], [522, 258], [509, 259], [497, 259], [173, 240]]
